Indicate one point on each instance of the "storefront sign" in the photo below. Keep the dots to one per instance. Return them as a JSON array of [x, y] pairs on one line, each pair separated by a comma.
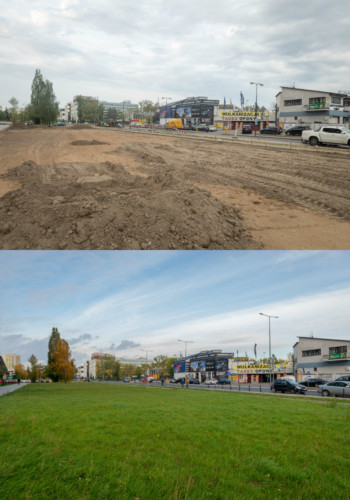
[[338, 355]]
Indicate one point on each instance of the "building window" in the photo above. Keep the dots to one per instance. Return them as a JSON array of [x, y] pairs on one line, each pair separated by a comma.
[[317, 100], [293, 102], [337, 350], [335, 100], [311, 352]]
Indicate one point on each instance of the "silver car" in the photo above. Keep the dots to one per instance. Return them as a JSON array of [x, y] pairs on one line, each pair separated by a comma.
[[337, 388]]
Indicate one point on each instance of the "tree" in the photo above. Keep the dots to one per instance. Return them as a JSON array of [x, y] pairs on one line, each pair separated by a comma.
[[51, 362], [20, 372], [63, 364], [44, 106], [32, 370], [14, 107]]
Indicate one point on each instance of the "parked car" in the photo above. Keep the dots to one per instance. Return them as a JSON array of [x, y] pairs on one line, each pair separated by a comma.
[[194, 381], [271, 130], [344, 378], [172, 380], [178, 380], [284, 385], [297, 130], [313, 382], [224, 381], [336, 388], [211, 381], [126, 379], [247, 129], [202, 127], [211, 128]]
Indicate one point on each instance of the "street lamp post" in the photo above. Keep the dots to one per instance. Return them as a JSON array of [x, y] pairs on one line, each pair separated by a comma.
[[274, 317], [256, 100], [144, 350], [186, 342]]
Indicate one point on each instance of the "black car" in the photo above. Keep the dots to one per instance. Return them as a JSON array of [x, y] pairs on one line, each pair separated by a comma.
[[297, 130], [313, 382], [247, 129], [179, 380], [271, 130], [284, 385]]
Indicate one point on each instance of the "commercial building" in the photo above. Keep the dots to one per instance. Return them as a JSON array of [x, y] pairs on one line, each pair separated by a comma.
[[312, 107], [321, 358], [3, 367], [191, 111], [216, 364], [227, 116]]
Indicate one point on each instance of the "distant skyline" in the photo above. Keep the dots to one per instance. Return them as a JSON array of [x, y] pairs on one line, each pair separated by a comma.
[[151, 49], [126, 302]]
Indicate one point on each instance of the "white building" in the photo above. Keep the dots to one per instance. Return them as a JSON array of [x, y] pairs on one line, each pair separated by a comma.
[[321, 358], [312, 107]]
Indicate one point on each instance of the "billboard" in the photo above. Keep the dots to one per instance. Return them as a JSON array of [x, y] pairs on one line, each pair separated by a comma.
[[184, 112], [179, 367], [197, 366], [165, 113], [221, 365]]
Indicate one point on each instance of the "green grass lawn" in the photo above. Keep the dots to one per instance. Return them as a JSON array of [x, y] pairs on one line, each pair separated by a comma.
[[108, 441]]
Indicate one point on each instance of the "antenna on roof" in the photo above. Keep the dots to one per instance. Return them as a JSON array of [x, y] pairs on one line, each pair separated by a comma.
[[293, 85]]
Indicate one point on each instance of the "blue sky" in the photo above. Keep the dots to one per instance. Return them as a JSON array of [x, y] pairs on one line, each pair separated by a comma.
[[149, 49], [127, 302]]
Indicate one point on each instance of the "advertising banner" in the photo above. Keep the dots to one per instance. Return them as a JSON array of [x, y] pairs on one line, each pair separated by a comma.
[[184, 112], [196, 111], [197, 366], [179, 367], [210, 365], [165, 113], [221, 365]]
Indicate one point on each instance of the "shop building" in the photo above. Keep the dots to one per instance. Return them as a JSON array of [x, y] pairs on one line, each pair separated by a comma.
[[312, 107], [321, 358], [228, 117], [204, 365], [191, 111], [250, 372]]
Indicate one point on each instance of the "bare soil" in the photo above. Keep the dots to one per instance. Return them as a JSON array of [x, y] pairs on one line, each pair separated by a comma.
[[86, 188]]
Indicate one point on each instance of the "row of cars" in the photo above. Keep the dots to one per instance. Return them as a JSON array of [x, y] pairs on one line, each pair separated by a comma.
[[276, 130], [339, 387], [208, 381]]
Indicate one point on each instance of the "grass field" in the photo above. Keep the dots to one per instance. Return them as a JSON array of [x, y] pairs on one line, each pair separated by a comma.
[[109, 441]]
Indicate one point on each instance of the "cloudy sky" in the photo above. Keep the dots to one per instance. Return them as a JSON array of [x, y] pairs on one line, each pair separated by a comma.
[[130, 302], [148, 49]]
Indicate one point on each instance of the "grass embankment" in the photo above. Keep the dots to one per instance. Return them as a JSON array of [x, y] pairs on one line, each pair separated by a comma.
[[103, 441]]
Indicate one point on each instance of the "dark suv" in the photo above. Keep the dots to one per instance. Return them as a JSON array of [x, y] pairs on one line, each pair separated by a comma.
[[271, 130], [284, 385], [297, 130], [313, 382], [247, 129]]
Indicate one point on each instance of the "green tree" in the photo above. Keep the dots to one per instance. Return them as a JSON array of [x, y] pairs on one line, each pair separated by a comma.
[[14, 108], [51, 362], [44, 107], [33, 369]]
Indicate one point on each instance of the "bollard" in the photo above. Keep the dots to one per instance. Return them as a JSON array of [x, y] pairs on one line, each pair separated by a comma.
[[249, 388], [260, 388]]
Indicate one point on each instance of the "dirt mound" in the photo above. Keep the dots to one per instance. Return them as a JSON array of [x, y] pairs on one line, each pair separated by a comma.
[[101, 206], [87, 143], [80, 127]]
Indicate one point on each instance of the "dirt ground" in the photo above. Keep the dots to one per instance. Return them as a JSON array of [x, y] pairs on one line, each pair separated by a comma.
[[85, 188]]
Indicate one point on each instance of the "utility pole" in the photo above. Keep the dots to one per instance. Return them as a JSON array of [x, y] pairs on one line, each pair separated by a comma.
[[186, 342], [144, 350], [256, 102]]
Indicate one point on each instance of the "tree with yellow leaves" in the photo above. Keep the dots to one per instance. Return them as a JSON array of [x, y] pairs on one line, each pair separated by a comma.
[[63, 363]]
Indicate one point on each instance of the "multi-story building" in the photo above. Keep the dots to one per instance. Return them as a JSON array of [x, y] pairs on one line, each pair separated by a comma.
[[125, 107], [312, 107], [321, 358], [191, 110], [11, 360]]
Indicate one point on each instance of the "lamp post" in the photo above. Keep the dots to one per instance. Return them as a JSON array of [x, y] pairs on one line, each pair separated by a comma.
[[144, 350], [256, 100], [274, 317], [186, 342]]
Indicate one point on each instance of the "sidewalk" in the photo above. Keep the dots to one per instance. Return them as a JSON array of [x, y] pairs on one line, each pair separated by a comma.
[[10, 388]]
